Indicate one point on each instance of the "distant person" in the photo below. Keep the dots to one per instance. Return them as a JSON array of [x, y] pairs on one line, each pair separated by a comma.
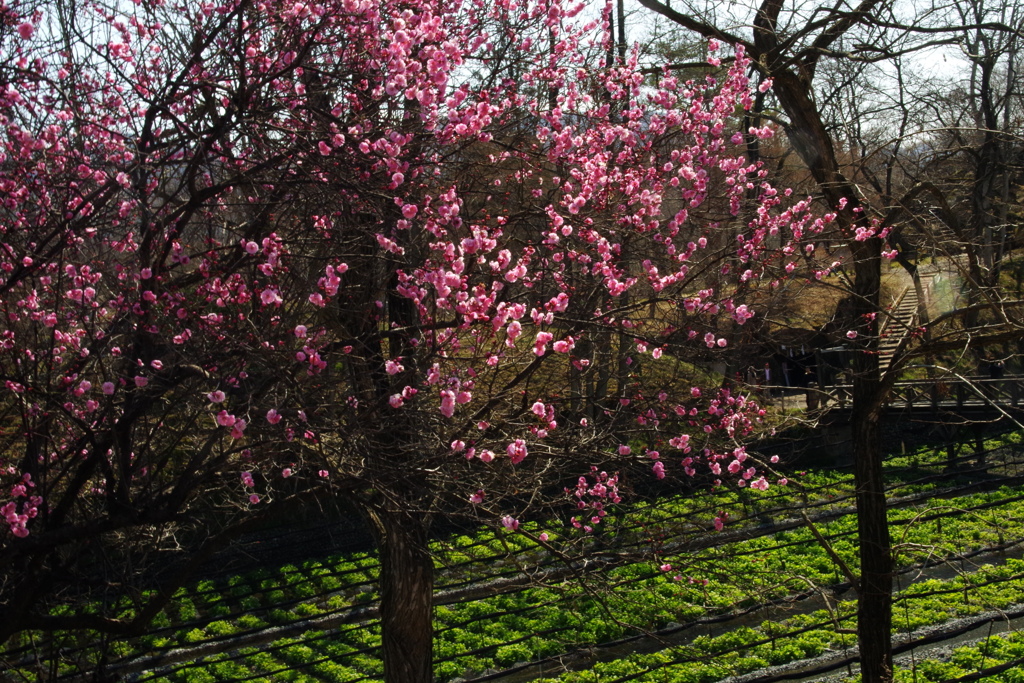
[[995, 369], [812, 388]]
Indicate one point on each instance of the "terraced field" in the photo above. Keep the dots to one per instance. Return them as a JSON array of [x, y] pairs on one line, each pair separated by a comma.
[[658, 596]]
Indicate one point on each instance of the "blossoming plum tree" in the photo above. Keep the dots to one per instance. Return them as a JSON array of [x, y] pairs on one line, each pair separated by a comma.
[[426, 256]]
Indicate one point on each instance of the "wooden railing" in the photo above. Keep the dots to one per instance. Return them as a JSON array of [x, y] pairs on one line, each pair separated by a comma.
[[951, 393]]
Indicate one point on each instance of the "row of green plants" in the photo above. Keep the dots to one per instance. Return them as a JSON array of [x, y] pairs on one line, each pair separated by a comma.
[[525, 625], [762, 560], [464, 557], [486, 550], [746, 649], [703, 659], [252, 601], [988, 655], [743, 575]]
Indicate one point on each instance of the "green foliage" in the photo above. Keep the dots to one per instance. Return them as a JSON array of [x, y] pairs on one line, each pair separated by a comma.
[[306, 610], [195, 675], [187, 610], [507, 655], [538, 622], [220, 628], [249, 621], [196, 635]]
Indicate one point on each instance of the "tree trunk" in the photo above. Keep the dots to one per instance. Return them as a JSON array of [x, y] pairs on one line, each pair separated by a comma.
[[875, 599], [406, 595], [874, 607]]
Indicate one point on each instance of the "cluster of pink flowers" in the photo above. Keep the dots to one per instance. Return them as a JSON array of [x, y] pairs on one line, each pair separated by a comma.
[[594, 498], [248, 482], [24, 507]]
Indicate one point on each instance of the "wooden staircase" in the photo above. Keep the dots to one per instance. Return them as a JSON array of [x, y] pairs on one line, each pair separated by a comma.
[[901, 321]]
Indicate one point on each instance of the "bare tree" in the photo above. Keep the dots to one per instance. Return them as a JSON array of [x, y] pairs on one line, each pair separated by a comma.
[[796, 46]]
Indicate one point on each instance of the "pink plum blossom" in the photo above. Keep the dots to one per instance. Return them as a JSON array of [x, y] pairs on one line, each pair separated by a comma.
[[517, 451], [226, 419], [447, 402], [742, 314], [270, 296], [540, 343], [512, 332]]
